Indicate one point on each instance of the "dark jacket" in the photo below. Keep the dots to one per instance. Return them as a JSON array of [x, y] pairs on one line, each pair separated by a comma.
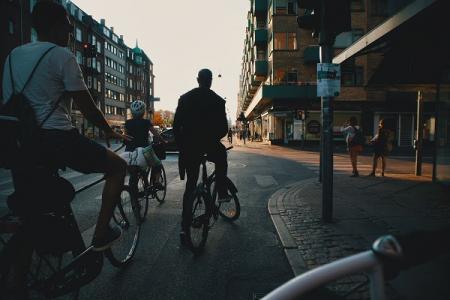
[[200, 120]]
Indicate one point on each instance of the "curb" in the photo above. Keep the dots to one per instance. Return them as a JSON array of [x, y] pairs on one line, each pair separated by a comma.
[[274, 206]]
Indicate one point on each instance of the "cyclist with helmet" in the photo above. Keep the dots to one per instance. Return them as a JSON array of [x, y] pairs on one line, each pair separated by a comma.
[[138, 128]]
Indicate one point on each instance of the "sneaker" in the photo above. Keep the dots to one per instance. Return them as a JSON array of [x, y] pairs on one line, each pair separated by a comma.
[[114, 234], [356, 174], [225, 199]]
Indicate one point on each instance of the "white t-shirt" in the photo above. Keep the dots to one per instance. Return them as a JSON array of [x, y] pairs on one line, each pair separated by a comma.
[[350, 132], [57, 73]]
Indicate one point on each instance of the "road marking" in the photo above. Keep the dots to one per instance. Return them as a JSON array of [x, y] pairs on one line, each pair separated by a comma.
[[265, 181]]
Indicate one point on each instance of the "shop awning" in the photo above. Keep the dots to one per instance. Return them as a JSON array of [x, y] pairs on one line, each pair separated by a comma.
[[414, 43]]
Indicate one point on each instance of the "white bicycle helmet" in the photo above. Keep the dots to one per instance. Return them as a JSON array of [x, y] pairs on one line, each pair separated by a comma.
[[137, 108]]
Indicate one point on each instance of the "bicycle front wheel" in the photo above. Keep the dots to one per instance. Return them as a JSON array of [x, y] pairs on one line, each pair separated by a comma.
[[160, 192], [197, 233], [126, 216], [229, 211]]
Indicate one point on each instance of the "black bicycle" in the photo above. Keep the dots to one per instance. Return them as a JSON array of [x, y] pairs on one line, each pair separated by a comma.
[[51, 245], [147, 184], [205, 207]]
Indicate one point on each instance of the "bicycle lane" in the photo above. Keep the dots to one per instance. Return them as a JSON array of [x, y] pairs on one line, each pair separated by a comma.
[[243, 260]]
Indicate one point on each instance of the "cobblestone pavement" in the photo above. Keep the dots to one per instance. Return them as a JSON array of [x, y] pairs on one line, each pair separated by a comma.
[[364, 208]]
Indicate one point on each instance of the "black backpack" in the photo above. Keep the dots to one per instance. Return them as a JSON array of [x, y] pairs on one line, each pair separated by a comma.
[[18, 124]]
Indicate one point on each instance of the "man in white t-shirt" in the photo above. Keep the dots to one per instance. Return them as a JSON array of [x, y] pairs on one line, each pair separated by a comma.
[[59, 144]]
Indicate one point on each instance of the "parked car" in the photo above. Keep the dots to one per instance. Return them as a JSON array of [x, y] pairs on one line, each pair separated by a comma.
[[170, 139]]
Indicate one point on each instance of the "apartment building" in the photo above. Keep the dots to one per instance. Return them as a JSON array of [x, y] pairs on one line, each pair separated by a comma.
[[140, 83], [278, 80], [101, 54]]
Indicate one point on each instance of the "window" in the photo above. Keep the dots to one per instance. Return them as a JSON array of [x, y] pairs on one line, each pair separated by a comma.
[[285, 41], [33, 35], [281, 7], [78, 35], [292, 40], [11, 27], [106, 31], [122, 97], [99, 86], [99, 66], [95, 83], [94, 40], [115, 39], [292, 7], [32, 3], [89, 82], [379, 7], [357, 5], [292, 76], [99, 47], [79, 57]]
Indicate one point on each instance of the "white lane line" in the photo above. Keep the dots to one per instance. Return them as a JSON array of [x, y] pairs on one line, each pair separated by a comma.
[[265, 181]]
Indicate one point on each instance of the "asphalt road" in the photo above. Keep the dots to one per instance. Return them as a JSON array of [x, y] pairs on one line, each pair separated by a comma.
[[242, 260]]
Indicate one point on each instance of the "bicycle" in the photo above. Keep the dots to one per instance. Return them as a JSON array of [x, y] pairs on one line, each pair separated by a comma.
[[205, 207], [389, 255], [145, 185], [60, 263]]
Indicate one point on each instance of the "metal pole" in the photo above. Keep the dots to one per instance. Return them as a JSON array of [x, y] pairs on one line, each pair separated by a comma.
[[419, 134], [436, 136], [326, 41]]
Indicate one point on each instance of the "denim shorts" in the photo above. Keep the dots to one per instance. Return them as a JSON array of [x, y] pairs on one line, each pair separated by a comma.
[[68, 148]]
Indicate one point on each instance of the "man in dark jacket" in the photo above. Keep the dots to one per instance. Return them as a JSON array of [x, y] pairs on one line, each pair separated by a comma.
[[200, 123]]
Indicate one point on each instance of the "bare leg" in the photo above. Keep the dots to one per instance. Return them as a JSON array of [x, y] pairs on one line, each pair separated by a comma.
[[115, 176], [374, 164], [383, 164], [353, 158]]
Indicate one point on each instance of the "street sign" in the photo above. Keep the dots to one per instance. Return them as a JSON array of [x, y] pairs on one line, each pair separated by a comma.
[[328, 80]]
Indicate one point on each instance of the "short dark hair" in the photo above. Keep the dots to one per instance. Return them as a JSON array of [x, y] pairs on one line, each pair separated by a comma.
[[46, 15]]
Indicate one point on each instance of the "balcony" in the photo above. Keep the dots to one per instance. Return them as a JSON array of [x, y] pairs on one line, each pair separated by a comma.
[[261, 68], [260, 6], [261, 36]]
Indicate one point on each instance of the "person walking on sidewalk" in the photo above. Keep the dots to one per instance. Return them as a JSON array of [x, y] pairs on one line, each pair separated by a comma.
[[196, 108], [230, 136], [355, 142], [380, 143]]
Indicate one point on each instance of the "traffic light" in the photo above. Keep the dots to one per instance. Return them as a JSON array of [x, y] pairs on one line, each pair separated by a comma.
[[336, 16], [311, 19], [86, 50]]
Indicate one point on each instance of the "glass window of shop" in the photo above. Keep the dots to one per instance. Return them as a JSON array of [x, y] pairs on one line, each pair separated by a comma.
[[443, 140], [78, 34]]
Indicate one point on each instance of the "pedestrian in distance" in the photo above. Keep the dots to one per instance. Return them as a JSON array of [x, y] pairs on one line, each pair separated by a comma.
[[196, 108], [380, 142], [230, 136], [355, 141], [244, 135]]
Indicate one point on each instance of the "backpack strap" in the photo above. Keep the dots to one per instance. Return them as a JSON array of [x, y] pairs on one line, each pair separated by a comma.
[[52, 111], [32, 72], [11, 75]]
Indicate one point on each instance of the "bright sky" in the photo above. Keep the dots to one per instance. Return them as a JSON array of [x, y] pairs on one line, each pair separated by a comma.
[[182, 37]]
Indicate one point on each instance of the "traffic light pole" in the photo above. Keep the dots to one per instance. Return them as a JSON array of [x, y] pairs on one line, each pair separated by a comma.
[[326, 42]]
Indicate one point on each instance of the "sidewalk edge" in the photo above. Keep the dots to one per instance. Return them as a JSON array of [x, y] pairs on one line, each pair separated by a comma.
[[274, 206]]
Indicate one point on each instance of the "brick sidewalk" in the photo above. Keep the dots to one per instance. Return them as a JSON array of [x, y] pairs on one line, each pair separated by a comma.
[[364, 209]]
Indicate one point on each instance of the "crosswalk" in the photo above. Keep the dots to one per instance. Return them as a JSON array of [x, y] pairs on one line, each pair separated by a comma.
[[341, 164]]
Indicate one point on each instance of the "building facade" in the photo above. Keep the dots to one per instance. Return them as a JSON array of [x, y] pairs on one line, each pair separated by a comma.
[[104, 58], [278, 80]]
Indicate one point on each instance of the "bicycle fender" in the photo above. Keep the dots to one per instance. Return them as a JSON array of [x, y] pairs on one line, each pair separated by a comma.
[[231, 187]]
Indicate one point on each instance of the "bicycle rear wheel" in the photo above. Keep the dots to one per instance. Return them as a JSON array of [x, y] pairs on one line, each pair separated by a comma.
[[160, 194], [143, 196], [230, 211], [197, 233], [126, 215]]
